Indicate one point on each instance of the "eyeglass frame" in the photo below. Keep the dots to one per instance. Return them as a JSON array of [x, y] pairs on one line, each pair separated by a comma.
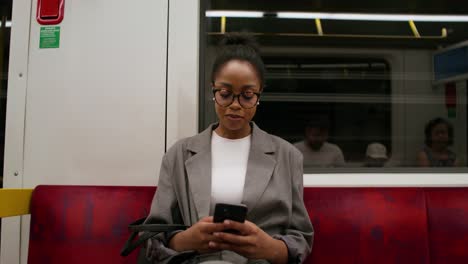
[[234, 96]]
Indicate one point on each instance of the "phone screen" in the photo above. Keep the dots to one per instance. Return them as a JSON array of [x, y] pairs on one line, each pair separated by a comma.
[[234, 212]]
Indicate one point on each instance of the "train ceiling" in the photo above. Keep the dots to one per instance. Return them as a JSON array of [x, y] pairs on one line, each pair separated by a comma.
[[275, 31]]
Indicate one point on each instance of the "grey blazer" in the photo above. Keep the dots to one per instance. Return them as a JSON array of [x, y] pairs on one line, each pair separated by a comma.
[[273, 192]]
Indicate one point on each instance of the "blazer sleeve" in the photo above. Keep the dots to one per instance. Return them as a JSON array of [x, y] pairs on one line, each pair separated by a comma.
[[300, 233], [164, 210]]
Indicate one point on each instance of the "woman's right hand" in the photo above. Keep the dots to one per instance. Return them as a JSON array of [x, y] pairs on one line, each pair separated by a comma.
[[197, 237]]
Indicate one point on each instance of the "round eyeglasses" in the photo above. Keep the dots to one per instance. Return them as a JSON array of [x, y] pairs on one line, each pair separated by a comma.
[[246, 99]]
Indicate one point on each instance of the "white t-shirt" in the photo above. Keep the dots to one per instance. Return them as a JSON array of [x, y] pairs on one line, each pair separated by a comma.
[[229, 159]]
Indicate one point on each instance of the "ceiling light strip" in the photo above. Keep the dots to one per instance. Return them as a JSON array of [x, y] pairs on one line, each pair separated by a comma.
[[340, 16], [7, 24], [225, 13], [374, 17]]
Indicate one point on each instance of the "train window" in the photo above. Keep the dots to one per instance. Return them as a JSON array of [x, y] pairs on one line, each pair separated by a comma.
[[351, 98], [354, 94]]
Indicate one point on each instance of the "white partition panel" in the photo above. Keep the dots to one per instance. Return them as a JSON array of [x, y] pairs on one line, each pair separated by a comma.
[[182, 75], [96, 105]]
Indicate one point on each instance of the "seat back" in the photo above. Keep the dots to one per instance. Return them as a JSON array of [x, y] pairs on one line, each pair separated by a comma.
[[448, 224], [368, 225], [88, 224], [84, 224]]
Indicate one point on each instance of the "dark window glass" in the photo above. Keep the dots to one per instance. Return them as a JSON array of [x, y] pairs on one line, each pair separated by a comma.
[[388, 94]]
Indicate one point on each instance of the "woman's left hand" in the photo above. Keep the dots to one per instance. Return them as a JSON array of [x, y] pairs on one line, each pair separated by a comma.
[[251, 242]]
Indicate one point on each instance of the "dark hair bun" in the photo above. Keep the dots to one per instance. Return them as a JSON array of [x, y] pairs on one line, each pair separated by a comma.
[[239, 39], [239, 46]]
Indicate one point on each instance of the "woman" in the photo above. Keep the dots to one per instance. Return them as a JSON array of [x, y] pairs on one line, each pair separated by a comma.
[[438, 137], [233, 162]]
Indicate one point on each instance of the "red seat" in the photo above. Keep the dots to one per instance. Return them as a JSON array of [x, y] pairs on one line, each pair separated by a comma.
[[368, 225], [84, 224], [448, 225], [88, 224]]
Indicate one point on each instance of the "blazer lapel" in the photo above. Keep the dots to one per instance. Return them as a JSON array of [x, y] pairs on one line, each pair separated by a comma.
[[199, 171], [260, 166]]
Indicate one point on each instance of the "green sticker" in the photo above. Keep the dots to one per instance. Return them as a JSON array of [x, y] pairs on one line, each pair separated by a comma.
[[50, 38]]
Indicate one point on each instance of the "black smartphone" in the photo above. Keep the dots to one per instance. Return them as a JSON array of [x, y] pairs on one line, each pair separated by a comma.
[[234, 212]]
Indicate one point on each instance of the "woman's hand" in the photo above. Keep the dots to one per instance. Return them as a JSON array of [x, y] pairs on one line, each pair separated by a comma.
[[197, 237], [252, 242]]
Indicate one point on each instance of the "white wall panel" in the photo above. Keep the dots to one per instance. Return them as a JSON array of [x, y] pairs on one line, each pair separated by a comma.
[[182, 77], [96, 105]]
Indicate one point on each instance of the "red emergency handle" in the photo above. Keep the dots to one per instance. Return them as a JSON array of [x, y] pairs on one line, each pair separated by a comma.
[[450, 95], [50, 12]]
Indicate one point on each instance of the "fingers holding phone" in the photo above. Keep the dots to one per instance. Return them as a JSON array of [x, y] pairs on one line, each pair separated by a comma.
[[253, 243], [246, 228], [197, 237]]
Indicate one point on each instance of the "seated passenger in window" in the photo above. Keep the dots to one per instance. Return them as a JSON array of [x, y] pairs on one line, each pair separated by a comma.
[[438, 137], [315, 148], [376, 155]]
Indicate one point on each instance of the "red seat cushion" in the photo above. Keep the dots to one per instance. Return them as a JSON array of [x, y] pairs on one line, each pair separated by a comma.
[[368, 225], [88, 224], [84, 224], [448, 224]]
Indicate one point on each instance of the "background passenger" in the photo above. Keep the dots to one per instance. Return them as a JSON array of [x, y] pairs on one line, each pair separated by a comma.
[[376, 155], [315, 148], [438, 137]]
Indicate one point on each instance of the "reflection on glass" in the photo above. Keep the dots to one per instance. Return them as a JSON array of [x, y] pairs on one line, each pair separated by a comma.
[[316, 149], [347, 100], [376, 155], [438, 138], [377, 84]]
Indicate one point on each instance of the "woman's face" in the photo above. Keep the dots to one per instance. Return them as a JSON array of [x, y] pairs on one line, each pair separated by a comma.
[[440, 135], [236, 77]]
